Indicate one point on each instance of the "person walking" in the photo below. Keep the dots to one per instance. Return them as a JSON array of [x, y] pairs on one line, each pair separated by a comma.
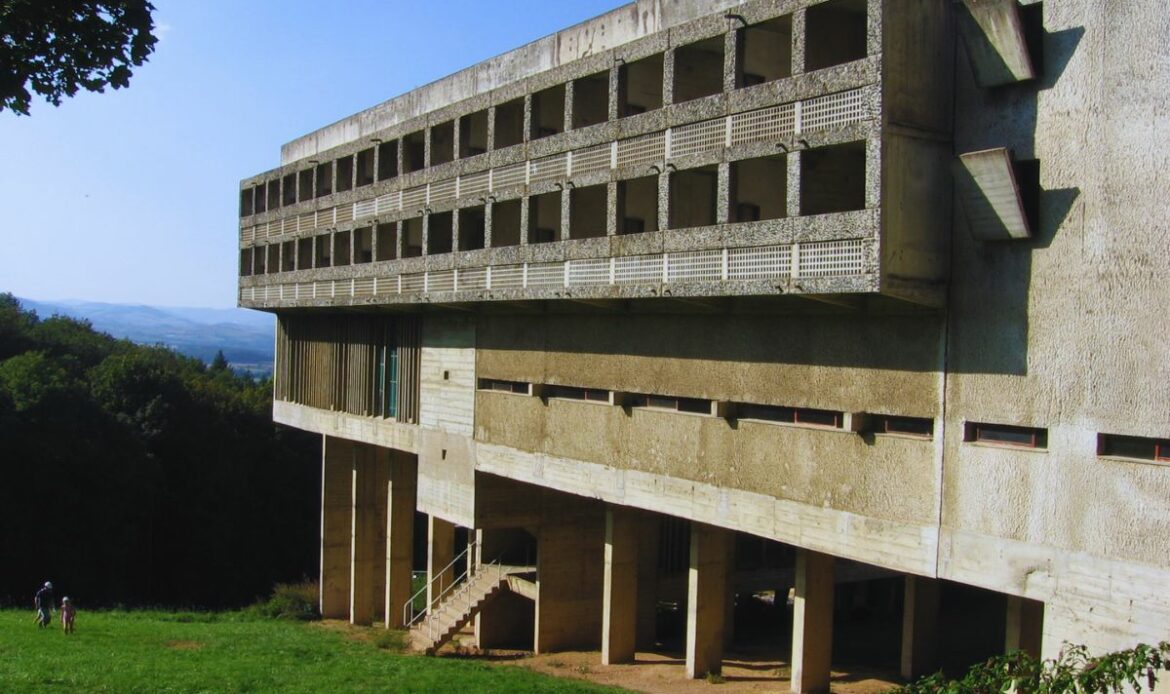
[[44, 603], [68, 614]]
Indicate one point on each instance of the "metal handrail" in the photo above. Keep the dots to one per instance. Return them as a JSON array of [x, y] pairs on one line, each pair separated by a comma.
[[409, 618], [460, 587]]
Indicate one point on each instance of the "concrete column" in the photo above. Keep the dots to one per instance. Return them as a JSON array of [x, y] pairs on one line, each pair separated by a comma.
[[367, 525], [664, 201], [799, 40], [812, 622], [401, 498], [920, 627], [440, 552], [1025, 626], [336, 488], [620, 587], [707, 599], [569, 583], [647, 620]]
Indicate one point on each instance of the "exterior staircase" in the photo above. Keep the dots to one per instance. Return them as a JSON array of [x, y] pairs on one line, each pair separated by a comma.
[[461, 601]]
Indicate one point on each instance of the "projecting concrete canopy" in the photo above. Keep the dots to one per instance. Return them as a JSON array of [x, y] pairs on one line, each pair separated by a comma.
[[987, 187], [994, 35]]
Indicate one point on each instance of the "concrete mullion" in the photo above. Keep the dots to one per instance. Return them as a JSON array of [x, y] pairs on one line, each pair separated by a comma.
[[611, 208], [724, 191], [794, 183], [529, 121], [616, 103], [566, 213], [664, 201], [669, 58], [732, 56], [487, 223], [799, 40], [568, 106], [525, 218]]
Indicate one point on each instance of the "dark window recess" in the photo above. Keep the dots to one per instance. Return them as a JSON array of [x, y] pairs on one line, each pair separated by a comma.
[[365, 167], [442, 143], [387, 241], [260, 199], [835, 33], [669, 402], [414, 150], [387, 160], [548, 112], [790, 415], [344, 174], [765, 52], [412, 237], [246, 196], [288, 256], [591, 100], [574, 393], [305, 253], [1006, 435], [907, 426], [832, 179], [640, 86], [289, 189], [698, 69], [305, 185], [638, 205], [325, 179], [274, 194], [473, 134], [439, 233], [245, 261], [471, 228], [363, 245], [544, 217], [509, 124], [503, 386], [1136, 447]]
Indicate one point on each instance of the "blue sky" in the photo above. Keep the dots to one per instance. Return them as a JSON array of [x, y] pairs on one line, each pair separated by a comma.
[[131, 196]]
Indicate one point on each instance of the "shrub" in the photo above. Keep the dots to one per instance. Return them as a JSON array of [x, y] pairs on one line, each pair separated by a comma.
[[290, 601], [1073, 670]]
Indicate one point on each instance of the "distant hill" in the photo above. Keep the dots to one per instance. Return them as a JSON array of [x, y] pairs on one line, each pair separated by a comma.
[[245, 336]]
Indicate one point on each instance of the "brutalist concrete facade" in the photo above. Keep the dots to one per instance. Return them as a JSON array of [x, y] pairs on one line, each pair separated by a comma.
[[697, 264]]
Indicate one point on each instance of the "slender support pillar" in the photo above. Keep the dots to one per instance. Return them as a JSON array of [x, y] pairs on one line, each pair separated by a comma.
[[1025, 626], [920, 627], [569, 582], [707, 588], [812, 622], [440, 552], [647, 609], [336, 488], [620, 591], [368, 525], [401, 496]]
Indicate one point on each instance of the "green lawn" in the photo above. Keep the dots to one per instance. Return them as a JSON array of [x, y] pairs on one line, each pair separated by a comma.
[[184, 652]]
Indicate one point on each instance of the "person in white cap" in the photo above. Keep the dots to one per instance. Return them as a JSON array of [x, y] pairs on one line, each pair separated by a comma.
[[44, 604]]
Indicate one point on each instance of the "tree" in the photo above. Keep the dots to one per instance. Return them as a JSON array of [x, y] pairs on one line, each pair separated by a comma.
[[60, 46]]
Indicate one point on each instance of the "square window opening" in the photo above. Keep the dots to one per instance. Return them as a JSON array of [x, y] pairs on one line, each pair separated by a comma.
[[304, 253], [439, 233], [245, 262], [274, 194], [260, 199], [835, 33], [363, 245], [694, 197], [442, 143], [288, 189], [638, 205], [698, 69], [759, 189], [344, 174], [591, 100], [588, 209], [544, 217], [414, 152], [832, 179], [288, 260], [765, 52], [471, 228], [305, 185], [247, 196], [412, 237], [365, 167], [506, 223], [325, 179], [509, 123], [640, 86], [388, 160], [473, 129], [342, 252], [322, 251], [548, 112], [386, 240]]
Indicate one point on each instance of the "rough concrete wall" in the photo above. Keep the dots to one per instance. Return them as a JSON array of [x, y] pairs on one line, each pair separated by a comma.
[[569, 583], [761, 359], [447, 374], [1060, 332]]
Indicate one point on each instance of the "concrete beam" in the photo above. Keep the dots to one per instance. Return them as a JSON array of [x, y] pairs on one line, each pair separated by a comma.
[[812, 622], [1025, 626], [707, 588], [920, 627], [994, 35]]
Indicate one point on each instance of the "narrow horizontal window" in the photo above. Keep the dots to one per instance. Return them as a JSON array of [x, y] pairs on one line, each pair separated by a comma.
[[906, 426], [668, 402], [503, 386], [790, 415], [575, 393], [1137, 447], [1006, 435]]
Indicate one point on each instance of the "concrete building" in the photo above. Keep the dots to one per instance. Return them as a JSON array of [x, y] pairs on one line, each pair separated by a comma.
[[701, 299]]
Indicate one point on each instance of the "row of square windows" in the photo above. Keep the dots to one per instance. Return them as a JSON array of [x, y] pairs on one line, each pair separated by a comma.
[[836, 34], [833, 180], [1108, 445]]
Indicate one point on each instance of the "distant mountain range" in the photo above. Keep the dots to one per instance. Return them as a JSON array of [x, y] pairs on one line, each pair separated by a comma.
[[245, 336]]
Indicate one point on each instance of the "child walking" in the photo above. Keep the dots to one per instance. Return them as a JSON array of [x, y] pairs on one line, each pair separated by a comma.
[[68, 614]]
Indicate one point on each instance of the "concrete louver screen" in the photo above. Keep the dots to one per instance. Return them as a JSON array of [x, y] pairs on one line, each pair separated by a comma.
[[994, 35], [986, 185]]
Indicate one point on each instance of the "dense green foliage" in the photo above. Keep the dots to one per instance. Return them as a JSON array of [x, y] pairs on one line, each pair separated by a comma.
[[134, 475], [1074, 670], [147, 652], [58, 47]]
